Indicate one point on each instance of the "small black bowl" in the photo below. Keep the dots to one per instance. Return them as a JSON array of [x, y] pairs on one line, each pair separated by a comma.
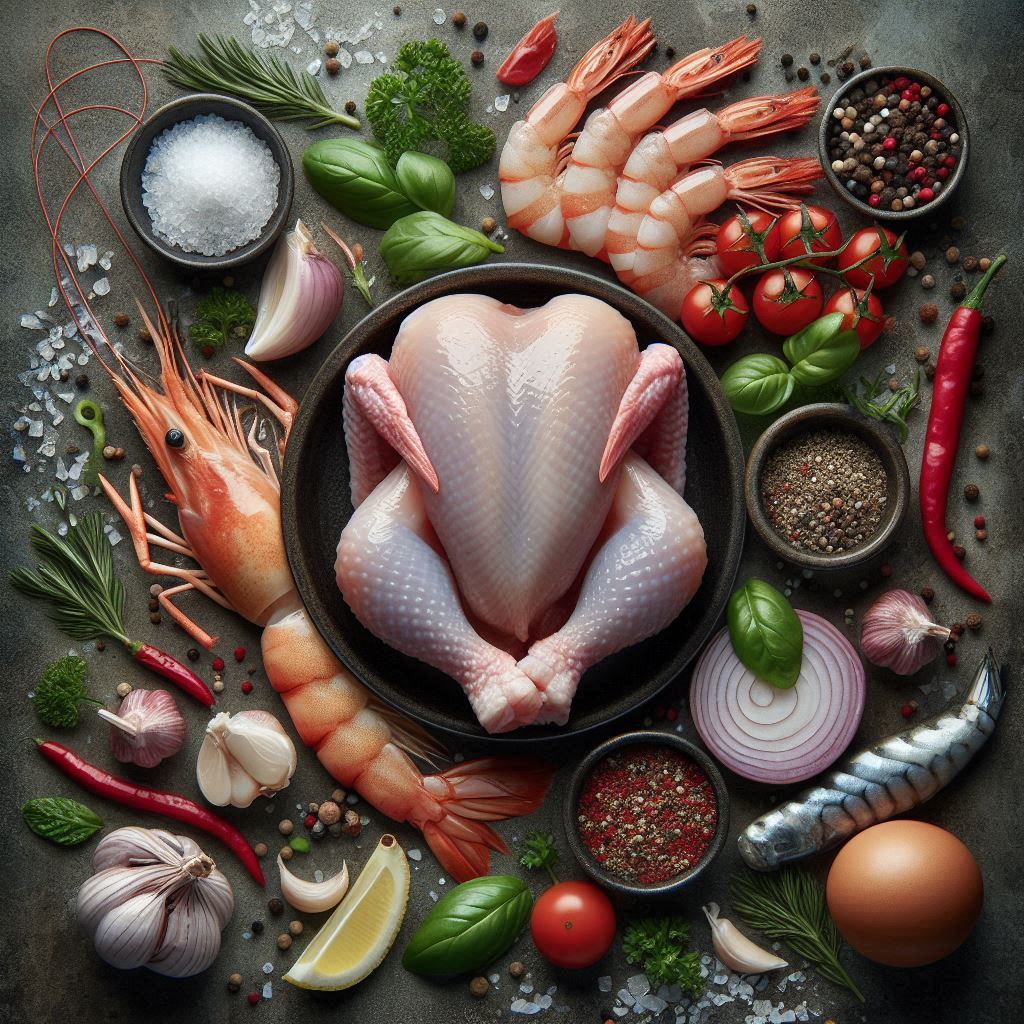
[[134, 161], [940, 90], [644, 738]]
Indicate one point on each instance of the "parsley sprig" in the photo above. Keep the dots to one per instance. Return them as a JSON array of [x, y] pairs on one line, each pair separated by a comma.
[[539, 851], [224, 315], [659, 945], [60, 691]]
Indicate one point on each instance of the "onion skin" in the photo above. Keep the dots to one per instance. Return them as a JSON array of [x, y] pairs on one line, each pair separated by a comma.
[[801, 730], [897, 633]]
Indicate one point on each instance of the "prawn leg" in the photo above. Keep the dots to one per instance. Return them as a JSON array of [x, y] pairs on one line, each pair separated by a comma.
[[394, 576], [644, 570]]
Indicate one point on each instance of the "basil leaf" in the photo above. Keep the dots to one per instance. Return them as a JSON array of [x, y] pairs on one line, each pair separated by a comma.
[[426, 181], [355, 176], [758, 384], [65, 822], [469, 927], [821, 353], [766, 633], [424, 242]]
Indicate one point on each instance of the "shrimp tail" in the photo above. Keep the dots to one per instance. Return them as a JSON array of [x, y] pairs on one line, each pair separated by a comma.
[[770, 183], [470, 793], [692, 74], [612, 57], [764, 115]]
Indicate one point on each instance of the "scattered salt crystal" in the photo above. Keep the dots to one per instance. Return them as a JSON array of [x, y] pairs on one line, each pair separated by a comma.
[[526, 987], [35, 428], [79, 492], [18, 454], [762, 1007], [948, 691], [318, 876], [487, 190], [457, 758], [926, 688], [313, 67], [720, 999], [782, 985], [268, 968], [652, 1002], [604, 983], [801, 1012], [797, 976], [620, 1011], [787, 1017], [106, 259], [501, 103], [363, 57], [344, 58], [32, 322], [53, 296], [364, 820], [438, 16], [523, 1005], [86, 256], [414, 854], [638, 985], [268, 990], [246, 936], [490, 108], [625, 996], [382, 57], [102, 286], [114, 537], [544, 1002], [432, 895], [494, 978], [720, 979]]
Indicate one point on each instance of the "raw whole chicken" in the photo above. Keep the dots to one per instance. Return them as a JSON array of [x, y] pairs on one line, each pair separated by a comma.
[[517, 479]]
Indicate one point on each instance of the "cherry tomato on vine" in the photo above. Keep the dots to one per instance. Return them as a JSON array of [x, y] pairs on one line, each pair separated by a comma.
[[886, 268], [573, 924], [862, 311], [786, 306], [712, 318], [819, 231], [737, 240]]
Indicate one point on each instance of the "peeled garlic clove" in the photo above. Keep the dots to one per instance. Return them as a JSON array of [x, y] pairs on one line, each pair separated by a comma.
[[257, 741], [312, 897], [128, 935], [735, 950], [147, 728], [213, 769], [898, 633], [299, 298], [244, 788]]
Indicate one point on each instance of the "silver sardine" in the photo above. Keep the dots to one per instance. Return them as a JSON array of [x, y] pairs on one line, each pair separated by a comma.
[[891, 777]]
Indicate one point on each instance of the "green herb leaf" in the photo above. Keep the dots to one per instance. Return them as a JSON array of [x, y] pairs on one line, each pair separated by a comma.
[[790, 905], [469, 927], [224, 315], [427, 181], [874, 399], [59, 692], [766, 633], [65, 822], [424, 242], [758, 384], [539, 851], [658, 946], [300, 844], [355, 177], [821, 353]]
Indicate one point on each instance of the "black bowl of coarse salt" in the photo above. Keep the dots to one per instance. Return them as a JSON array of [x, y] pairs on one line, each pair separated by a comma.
[[646, 813], [894, 143], [826, 488]]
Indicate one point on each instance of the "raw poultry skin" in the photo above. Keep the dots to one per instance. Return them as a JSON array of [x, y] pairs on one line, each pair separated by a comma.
[[517, 476]]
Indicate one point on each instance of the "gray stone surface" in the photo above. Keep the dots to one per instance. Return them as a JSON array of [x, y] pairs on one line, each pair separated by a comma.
[[49, 971]]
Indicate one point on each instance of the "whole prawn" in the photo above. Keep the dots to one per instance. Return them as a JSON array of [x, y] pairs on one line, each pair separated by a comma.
[[225, 486]]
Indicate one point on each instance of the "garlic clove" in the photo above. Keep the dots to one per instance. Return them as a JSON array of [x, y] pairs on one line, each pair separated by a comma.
[[300, 296], [128, 935], [244, 788], [312, 897], [133, 845], [735, 950], [262, 748], [213, 770], [192, 941], [109, 888], [897, 633]]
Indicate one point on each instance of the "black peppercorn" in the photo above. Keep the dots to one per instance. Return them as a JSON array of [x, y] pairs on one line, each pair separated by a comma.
[[927, 595], [825, 78], [815, 59], [459, 19], [803, 74], [350, 106], [192, 654], [752, 9], [480, 30], [670, 52], [988, 324], [787, 60], [257, 927], [82, 381], [275, 906], [476, 58]]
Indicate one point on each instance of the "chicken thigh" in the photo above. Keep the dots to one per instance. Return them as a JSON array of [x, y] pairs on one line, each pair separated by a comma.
[[509, 526]]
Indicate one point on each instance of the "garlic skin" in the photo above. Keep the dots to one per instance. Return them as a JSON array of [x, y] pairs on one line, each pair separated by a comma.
[[312, 897], [243, 757], [299, 298], [147, 728], [156, 901], [897, 633], [735, 950]]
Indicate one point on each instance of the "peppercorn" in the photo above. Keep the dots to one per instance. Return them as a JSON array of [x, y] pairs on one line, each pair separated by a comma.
[[971, 492], [959, 552], [922, 354], [145, 336], [108, 452], [123, 689], [787, 60], [122, 319], [338, 796], [803, 74], [154, 604], [981, 451], [478, 987], [864, 62], [286, 827], [476, 58], [956, 630], [927, 595], [154, 617], [350, 107], [970, 264], [917, 260], [253, 997], [752, 9], [294, 927], [396, 10], [825, 77], [988, 324], [927, 282], [331, 48], [329, 812], [257, 927], [815, 59], [284, 941], [929, 371], [332, 65], [950, 645], [286, 852], [516, 969], [958, 223], [352, 825], [952, 255], [101, 645], [480, 30], [235, 982], [928, 313], [488, 224], [459, 19], [958, 290]]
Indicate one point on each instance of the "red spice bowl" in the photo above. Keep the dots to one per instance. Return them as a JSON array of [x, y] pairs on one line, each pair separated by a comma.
[[656, 785]]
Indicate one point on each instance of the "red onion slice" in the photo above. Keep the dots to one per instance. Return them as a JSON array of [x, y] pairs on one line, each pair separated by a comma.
[[772, 735]]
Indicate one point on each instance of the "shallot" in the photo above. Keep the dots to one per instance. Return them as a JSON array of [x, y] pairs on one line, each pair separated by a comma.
[[147, 728], [897, 633]]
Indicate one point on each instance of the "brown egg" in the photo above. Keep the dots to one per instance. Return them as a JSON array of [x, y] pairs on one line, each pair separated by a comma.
[[905, 893]]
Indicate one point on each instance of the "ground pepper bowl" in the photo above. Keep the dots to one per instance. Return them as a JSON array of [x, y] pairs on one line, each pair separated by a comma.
[[134, 160], [838, 417], [644, 738], [952, 182]]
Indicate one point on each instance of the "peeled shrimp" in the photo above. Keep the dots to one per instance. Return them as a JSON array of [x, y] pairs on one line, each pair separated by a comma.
[[608, 137], [664, 266], [660, 157], [533, 160]]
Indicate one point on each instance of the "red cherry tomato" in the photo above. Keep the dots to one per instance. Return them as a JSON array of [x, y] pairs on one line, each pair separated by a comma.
[[823, 233], [706, 324], [573, 924], [864, 314], [736, 247], [886, 268], [784, 310]]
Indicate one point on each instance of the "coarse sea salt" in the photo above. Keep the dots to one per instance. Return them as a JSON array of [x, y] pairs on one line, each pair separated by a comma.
[[210, 185]]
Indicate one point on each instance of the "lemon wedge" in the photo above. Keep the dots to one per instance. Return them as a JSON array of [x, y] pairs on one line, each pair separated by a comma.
[[357, 936]]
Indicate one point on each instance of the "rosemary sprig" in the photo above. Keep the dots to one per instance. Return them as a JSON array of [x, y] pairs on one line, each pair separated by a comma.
[[76, 578], [790, 905], [894, 407], [267, 82]]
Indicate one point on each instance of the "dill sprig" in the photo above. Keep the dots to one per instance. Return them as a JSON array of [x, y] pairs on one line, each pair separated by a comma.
[[790, 905], [873, 398], [267, 82]]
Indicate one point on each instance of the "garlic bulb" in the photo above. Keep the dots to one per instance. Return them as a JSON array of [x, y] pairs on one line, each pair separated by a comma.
[[299, 298], [243, 757], [897, 633], [147, 728], [735, 950], [312, 897], [156, 901]]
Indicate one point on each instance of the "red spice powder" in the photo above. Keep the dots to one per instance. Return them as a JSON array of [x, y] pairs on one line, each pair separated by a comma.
[[647, 813]]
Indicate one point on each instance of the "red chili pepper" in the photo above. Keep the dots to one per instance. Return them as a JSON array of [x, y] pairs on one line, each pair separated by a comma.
[[530, 56], [169, 805], [170, 668], [953, 371]]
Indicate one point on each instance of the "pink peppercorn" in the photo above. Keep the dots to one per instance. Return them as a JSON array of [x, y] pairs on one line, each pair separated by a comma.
[[239, 654], [309, 821], [901, 82], [951, 660], [247, 687], [949, 161], [254, 998], [873, 199], [906, 711], [889, 143], [926, 195], [942, 109], [979, 522], [218, 664]]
